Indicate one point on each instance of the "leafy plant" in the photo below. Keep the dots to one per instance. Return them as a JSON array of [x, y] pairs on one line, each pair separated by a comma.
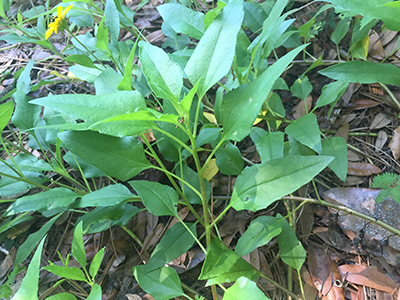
[[387, 182], [106, 134]]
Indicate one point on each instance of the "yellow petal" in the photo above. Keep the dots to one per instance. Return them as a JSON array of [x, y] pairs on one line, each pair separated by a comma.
[[66, 10], [210, 170], [48, 33], [59, 11]]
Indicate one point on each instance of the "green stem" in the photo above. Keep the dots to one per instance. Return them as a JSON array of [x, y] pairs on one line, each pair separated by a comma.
[[176, 187], [25, 180], [91, 52], [346, 209], [134, 236]]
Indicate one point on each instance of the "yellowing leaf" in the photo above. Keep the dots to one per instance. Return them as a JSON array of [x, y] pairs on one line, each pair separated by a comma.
[[210, 117], [258, 120], [210, 170]]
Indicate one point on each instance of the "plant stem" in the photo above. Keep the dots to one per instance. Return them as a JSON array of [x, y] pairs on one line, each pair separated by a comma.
[[345, 209]]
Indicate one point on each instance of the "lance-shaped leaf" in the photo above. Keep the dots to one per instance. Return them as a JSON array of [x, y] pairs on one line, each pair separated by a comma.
[[163, 75], [241, 106], [363, 72], [213, 56], [94, 108], [260, 185], [122, 158]]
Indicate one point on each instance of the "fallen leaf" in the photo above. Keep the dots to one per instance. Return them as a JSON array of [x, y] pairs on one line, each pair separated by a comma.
[[380, 121], [300, 109], [368, 276], [361, 104], [343, 131], [319, 268], [336, 292], [394, 144], [381, 139], [362, 169]]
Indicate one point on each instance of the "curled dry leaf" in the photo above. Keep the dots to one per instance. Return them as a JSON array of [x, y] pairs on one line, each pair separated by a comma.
[[336, 292], [381, 139], [319, 268], [361, 104], [380, 121], [394, 144], [362, 169], [368, 276]]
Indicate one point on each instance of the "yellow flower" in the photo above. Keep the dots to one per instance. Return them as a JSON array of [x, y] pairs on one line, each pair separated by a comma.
[[59, 21]]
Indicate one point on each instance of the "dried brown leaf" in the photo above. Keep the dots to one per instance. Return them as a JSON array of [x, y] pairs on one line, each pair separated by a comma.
[[343, 131], [361, 104], [394, 144], [381, 139], [362, 169], [380, 121], [319, 268], [300, 109], [368, 276]]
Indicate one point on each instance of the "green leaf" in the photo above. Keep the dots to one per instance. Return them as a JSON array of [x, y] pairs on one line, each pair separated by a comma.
[[163, 75], [102, 37], [303, 30], [72, 273], [78, 248], [112, 21], [254, 15], [42, 202], [340, 30], [244, 288], [84, 73], [62, 296], [80, 59], [162, 283], [270, 146], [290, 249], [363, 72], [213, 56], [107, 82], [125, 84], [102, 218], [331, 93], [193, 179], [122, 158], [93, 108], [26, 115], [258, 234], [306, 131], [107, 196], [183, 19], [229, 159], [241, 106], [159, 199], [176, 241], [260, 185], [222, 265], [30, 284], [6, 111], [88, 170], [301, 88], [95, 293], [337, 148], [95, 265], [31, 242], [372, 9]]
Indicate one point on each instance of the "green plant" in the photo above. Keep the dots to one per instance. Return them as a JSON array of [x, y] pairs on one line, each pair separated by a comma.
[[387, 182], [103, 135]]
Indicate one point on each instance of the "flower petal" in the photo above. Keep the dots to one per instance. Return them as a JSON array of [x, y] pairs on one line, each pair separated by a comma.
[[66, 10], [48, 33], [59, 12]]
